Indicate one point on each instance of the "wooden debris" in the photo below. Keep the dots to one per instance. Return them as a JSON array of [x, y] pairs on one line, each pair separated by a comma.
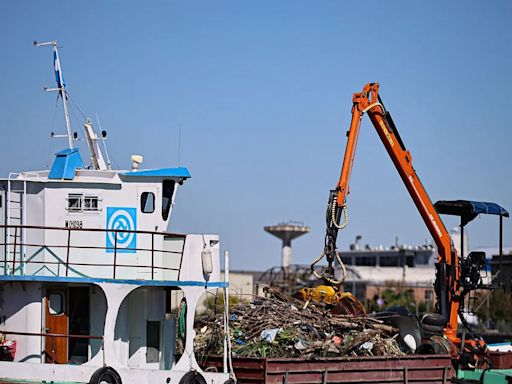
[[308, 332]]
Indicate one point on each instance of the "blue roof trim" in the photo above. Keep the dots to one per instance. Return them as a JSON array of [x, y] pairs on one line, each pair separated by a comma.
[[65, 164], [162, 172], [155, 283]]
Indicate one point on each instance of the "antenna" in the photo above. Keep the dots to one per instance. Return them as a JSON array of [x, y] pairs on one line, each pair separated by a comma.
[[61, 87]]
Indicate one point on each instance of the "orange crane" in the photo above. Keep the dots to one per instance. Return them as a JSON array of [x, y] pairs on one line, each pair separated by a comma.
[[447, 266], [453, 282]]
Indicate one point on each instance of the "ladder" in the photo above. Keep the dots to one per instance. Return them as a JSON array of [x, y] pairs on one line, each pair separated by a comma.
[[15, 215]]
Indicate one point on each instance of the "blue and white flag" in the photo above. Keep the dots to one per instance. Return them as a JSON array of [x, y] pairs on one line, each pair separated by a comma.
[[58, 72]]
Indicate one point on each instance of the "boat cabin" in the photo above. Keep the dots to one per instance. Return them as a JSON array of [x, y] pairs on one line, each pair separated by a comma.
[[92, 286]]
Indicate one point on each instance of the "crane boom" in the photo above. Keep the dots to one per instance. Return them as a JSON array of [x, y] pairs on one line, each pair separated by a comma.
[[447, 268]]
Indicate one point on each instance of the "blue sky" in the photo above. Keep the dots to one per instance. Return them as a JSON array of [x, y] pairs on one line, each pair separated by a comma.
[[262, 92]]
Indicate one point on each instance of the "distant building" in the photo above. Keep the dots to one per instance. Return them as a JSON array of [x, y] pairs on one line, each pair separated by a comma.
[[372, 270], [367, 282], [392, 257], [501, 270], [242, 284]]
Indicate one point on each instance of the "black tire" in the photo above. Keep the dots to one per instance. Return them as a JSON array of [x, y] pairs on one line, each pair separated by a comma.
[[428, 335], [105, 375], [429, 349], [434, 345], [230, 381], [433, 319], [433, 328], [425, 349], [192, 377]]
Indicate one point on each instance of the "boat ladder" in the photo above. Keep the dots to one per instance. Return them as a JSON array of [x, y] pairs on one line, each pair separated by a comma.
[[14, 252]]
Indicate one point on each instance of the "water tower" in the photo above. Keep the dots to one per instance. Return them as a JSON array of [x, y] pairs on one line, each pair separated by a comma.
[[287, 232]]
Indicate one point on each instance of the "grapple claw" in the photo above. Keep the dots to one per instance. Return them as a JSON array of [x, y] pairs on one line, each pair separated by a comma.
[[328, 273], [348, 304]]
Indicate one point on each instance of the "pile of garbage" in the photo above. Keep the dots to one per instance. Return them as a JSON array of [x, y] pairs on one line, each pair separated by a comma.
[[280, 326]]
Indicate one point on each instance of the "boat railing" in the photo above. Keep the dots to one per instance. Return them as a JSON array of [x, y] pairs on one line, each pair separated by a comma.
[[71, 250], [56, 335]]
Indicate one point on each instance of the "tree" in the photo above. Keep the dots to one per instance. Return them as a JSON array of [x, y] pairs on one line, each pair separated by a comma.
[[499, 309]]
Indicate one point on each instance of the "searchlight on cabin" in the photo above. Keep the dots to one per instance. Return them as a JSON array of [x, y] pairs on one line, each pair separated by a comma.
[[136, 161]]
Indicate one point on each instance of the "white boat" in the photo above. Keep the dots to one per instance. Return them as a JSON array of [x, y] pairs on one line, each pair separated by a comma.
[[92, 287]]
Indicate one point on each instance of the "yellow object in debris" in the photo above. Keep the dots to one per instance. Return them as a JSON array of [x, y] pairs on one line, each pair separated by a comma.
[[342, 302], [322, 293]]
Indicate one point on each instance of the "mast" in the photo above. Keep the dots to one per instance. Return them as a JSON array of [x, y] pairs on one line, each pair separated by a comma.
[[61, 87]]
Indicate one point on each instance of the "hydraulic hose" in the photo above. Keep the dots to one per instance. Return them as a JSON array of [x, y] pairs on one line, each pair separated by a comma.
[[333, 216]]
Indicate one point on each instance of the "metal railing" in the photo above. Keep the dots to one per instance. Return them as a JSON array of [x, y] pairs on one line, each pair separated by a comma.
[[17, 260], [54, 335]]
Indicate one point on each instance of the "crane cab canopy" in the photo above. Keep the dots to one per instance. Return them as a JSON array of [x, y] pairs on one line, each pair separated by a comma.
[[467, 210]]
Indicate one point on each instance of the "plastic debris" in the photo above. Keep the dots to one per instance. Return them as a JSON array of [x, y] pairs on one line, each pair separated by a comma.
[[269, 335], [410, 342], [301, 345], [368, 346]]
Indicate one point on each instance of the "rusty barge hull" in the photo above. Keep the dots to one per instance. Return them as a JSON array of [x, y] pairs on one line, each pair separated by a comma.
[[411, 369]]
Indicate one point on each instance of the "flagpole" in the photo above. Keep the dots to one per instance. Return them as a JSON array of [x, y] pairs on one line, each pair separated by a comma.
[[63, 95], [61, 86]]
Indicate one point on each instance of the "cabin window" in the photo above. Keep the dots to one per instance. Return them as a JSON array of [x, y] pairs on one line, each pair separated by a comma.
[[56, 305], [75, 203], [167, 192], [147, 202], [90, 203]]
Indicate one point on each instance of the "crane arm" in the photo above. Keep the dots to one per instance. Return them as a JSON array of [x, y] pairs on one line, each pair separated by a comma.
[[447, 269]]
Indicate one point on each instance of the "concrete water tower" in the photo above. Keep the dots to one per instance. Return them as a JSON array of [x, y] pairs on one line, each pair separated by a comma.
[[287, 232]]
